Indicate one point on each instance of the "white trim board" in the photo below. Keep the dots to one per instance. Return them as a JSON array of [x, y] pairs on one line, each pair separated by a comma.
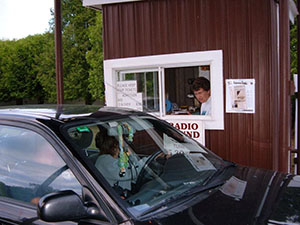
[[98, 3]]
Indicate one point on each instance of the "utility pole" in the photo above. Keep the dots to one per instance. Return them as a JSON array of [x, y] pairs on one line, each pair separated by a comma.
[[298, 91], [58, 53]]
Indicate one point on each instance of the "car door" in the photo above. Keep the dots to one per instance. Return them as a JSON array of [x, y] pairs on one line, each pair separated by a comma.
[[30, 167]]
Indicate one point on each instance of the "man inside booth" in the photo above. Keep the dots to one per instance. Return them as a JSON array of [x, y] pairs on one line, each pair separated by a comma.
[[201, 90]]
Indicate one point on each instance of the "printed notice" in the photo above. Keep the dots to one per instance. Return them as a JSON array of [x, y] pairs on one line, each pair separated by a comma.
[[234, 188], [127, 87], [127, 95], [173, 147], [197, 159], [240, 96]]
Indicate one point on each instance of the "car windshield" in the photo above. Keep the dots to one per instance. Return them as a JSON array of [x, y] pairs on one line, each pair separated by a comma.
[[145, 160]]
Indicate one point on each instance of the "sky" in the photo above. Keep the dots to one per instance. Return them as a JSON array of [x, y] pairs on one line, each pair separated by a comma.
[[20, 18]]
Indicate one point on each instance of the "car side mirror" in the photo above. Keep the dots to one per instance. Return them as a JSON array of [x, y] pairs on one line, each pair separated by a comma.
[[64, 206]]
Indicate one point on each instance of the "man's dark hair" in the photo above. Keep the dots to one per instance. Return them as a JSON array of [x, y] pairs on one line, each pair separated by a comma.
[[201, 82]]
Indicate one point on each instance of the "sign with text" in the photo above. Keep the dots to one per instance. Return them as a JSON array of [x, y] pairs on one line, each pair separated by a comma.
[[194, 129], [127, 87], [127, 95], [240, 96]]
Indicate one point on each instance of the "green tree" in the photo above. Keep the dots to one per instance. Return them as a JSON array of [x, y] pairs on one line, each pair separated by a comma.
[[76, 21], [18, 72], [95, 60], [27, 66], [6, 61], [293, 48], [45, 65]]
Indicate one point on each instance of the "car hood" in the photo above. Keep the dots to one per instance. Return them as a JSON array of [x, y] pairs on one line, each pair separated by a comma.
[[249, 196]]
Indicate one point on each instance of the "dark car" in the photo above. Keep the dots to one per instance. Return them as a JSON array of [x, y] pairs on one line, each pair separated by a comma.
[[90, 165]]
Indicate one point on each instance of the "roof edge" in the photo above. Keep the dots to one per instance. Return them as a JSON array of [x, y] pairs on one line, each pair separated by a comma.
[[97, 4]]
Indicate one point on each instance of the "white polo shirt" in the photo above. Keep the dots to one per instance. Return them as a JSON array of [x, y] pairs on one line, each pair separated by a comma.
[[206, 107]]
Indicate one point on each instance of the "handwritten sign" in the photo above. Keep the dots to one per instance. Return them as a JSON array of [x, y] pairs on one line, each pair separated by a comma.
[[127, 87], [127, 95], [130, 101]]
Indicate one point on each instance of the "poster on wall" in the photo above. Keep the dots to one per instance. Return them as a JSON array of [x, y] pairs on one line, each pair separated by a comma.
[[127, 95], [240, 95]]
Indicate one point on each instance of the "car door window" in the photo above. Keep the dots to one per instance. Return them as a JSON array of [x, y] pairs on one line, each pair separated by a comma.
[[30, 167]]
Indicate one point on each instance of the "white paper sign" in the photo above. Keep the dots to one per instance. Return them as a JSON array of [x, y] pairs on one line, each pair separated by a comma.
[[199, 162], [130, 101], [173, 147], [192, 128], [127, 87], [197, 159], [127, 95], [234, 187], [240, 96]]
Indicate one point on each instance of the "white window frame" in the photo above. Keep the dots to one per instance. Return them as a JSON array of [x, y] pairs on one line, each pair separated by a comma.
[[160, 62], [123, 72]]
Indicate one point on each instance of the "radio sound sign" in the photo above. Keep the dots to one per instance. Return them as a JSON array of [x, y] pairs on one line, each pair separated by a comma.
[[194, 129]]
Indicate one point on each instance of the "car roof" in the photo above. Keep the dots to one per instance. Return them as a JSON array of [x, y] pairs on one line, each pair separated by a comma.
[[63, 112]]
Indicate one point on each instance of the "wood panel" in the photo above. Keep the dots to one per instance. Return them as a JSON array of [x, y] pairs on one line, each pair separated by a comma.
[[246, 31]]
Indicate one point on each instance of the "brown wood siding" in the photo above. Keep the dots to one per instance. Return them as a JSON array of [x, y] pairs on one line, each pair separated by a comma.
[[285, 79], [246, 31]]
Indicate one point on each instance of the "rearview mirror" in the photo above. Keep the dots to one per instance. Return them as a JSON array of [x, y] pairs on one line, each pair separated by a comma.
[[63, 206]]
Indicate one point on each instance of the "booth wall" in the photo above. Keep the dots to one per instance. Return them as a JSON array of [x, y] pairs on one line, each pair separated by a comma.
[[255, 44]]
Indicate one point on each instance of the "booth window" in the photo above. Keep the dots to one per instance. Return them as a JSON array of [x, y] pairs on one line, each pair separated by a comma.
[[162, 85], [139, 90], [180, 99]]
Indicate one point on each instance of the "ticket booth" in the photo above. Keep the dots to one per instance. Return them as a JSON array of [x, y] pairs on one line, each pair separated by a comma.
[[155, 49]]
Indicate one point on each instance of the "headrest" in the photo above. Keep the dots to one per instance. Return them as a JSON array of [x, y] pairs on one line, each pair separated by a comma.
[[82, 136]]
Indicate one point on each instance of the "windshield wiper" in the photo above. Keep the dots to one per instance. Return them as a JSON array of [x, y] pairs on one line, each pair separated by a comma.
[[218, 173], [185, 196], [205, 186]]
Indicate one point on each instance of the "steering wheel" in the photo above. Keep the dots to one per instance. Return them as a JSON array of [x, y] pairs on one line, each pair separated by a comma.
[[148, 172]]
